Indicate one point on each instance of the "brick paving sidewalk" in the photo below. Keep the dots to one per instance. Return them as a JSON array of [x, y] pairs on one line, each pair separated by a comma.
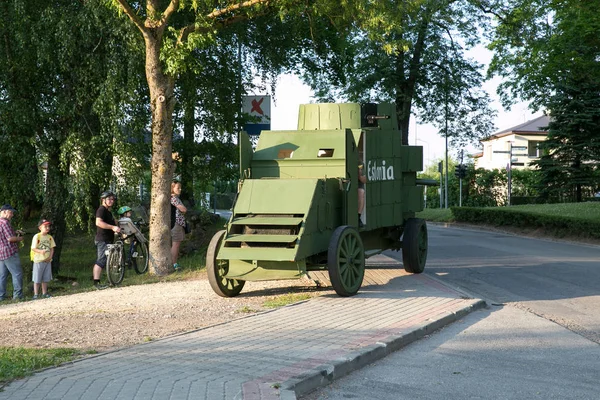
[[272, 355]]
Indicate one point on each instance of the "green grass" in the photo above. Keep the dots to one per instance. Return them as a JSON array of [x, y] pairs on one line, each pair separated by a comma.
[[79, 253], [285, 299], [18, 362], [589, 210], [436, 214]]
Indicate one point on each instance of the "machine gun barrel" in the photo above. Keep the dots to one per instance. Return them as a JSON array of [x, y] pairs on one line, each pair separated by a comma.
[[372, 118], [427, 182]]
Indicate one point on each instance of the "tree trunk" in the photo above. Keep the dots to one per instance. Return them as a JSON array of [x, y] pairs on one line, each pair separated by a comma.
[[187, 154], [161, 105], [56, 201], [407, 85], [578, 191]]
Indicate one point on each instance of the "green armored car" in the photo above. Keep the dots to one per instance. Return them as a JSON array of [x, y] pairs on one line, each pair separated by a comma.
[[297, 207]]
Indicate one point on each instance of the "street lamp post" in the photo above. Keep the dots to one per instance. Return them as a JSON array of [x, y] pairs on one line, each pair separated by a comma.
[[446, 134], [428, 159]]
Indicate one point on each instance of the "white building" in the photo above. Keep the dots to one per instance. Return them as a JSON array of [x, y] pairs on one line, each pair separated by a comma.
[[523, 139]]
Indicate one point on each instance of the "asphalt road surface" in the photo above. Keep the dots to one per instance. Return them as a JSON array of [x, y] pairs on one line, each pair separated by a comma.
[[539, 338], [558, 281]]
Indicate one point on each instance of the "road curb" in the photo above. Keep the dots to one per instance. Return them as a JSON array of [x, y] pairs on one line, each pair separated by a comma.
[[327, 373]]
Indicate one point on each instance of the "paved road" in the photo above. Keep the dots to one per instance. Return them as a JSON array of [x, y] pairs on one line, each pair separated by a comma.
[[267, 356], [557, 280], [497, 353], [539, 341]]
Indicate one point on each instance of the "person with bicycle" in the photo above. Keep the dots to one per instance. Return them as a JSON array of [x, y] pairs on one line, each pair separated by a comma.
[[129, 249], [106, 228]]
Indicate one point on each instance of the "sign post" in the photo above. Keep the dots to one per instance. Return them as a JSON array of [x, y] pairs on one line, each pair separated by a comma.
[[258, 108], [510, 164], [441, 171]]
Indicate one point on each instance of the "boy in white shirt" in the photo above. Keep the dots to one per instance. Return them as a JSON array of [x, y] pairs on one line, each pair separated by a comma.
[[42, 250]]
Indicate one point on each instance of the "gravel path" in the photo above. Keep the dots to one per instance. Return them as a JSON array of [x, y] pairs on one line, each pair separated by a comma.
[[117, 317]]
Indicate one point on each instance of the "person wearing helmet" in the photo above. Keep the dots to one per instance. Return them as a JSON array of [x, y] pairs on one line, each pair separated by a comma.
[[106, 194], [124, 212], [106, 228]]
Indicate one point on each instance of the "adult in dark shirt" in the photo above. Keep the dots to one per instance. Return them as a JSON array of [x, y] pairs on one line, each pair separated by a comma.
[[105, 233]]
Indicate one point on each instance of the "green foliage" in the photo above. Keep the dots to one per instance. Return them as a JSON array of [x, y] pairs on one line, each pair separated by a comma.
[[548, 53], [573, 144], [419, 50], [77, 107], [525, 182], [537, 42], [484, 188], [18, 362]]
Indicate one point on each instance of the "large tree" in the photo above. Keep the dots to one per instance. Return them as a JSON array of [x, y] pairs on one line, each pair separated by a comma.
[[548, 52], [172, 31], [18, 120], [64, 85], [412, 54]]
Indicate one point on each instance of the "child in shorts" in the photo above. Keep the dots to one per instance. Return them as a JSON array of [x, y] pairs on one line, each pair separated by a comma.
[[42, 250]]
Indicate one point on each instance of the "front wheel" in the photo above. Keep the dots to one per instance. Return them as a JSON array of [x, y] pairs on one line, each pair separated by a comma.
[[217, 269], [139, 257], [115, 270], [414, 245], [346, 261]]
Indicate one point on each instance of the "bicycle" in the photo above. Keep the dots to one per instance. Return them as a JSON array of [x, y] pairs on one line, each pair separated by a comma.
[[137, 254]]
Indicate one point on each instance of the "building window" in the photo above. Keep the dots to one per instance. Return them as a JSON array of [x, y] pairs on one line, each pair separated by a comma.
[[532, 148]]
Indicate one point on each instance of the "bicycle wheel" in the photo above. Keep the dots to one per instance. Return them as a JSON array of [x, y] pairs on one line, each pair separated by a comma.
[[115, 270], [139, 256]]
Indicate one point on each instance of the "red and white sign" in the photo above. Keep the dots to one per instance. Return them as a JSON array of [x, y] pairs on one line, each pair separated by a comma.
[[258, 106]]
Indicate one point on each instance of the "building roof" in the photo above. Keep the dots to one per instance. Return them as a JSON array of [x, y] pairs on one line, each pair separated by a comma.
[[533, 126]]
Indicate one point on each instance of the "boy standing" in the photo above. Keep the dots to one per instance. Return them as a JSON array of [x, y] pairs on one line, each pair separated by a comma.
[[42, 251]]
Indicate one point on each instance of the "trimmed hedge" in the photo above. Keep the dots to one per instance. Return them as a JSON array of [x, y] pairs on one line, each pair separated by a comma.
[[507, 216]]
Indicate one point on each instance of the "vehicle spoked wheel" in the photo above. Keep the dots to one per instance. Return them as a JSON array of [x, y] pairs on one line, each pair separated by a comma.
[[346, 261], [414, 245], [217, 269]]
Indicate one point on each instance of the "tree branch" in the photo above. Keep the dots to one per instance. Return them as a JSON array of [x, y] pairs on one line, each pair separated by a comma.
[[489, 9], [234, 7], [130, 12], [173, 7], [185, 32]]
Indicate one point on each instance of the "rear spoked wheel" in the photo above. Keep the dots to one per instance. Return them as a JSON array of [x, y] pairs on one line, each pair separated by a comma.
[[217, 269], [139, 257], [346, 261], [414, 245], [115, 270]]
